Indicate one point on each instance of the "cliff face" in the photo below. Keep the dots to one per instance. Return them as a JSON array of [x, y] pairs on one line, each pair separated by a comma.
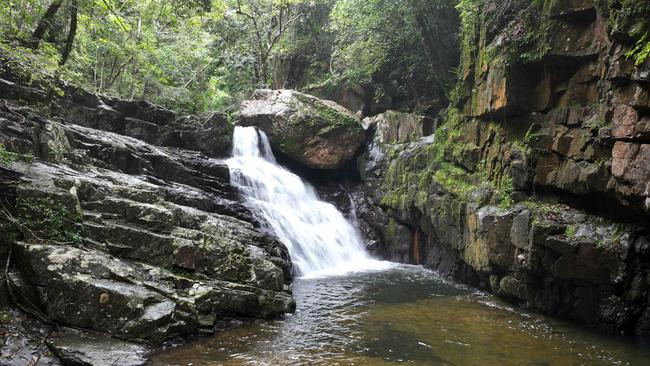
[[537, 183]]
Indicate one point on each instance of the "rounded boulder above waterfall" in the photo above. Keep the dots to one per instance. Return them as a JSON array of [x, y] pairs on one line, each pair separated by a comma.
[[319, 134]]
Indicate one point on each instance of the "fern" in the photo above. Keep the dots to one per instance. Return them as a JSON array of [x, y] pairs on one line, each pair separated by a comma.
[[640, 52]]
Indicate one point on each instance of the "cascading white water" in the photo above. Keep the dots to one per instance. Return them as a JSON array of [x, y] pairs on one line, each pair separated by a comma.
[[319, 238]]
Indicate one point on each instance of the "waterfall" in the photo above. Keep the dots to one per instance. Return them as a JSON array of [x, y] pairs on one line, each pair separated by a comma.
[[319, 238]]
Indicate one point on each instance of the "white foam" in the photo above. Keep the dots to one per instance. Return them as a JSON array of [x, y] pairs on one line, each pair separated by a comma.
[[321, 241]]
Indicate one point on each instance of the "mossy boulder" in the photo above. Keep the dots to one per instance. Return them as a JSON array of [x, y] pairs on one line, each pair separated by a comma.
[[316, 133]]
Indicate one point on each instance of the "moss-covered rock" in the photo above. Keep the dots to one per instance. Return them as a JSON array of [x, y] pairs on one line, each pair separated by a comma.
[[316, 133]]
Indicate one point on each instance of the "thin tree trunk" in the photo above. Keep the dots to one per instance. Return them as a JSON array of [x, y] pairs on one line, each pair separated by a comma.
[[74, 7], [95, 68], [133, 74], [45, 22], [22, 17], [116, 71], [265, 72], [101, 75]]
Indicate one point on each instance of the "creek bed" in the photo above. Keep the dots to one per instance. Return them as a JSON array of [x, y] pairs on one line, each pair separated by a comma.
[[405, 315]]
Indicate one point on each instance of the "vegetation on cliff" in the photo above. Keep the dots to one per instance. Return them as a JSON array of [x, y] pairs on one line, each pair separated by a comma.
[[539, 166]]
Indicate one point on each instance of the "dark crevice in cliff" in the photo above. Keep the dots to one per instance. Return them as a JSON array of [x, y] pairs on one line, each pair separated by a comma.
[[598, 204], [348, 172]]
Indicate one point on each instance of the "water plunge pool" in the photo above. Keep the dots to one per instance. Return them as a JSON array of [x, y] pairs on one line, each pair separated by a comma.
[[405, 315]]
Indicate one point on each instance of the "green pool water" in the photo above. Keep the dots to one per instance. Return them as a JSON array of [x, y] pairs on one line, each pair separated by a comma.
[[405, 315]]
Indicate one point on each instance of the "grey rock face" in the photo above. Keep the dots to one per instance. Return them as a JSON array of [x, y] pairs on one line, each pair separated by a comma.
[[130, 229], [142, 120], [22, 343], [395, 126]]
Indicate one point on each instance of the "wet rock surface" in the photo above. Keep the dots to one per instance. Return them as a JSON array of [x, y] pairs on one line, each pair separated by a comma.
[[394, 126], [23, 340], [91, 349], [543, 256], [315, 133], [127, 227]]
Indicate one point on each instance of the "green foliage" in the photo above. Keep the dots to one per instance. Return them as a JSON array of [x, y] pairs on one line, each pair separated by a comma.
[[505, 191], [8, 157], [364, 32], [571, 230], [199, 55], [641, 51], [631, 17], [5, 316], [50, 219], [33, 67], [524, 25], [247, 42], [412, 44], [454, 179], [309, 44], [153, 49]]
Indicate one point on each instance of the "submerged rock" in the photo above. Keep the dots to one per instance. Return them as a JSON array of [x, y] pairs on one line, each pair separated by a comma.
[[317, 133]]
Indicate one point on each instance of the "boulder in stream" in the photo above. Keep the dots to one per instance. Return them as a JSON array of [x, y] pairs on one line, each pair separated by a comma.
[[318, 134]]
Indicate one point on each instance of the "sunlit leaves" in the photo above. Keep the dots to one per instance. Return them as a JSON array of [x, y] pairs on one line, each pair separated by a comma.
[[366, 31], [641, 50]]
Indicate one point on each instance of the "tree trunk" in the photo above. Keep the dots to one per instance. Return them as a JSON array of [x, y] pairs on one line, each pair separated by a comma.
[[101, 75], [264, 69], [133, 75], [74, 7], [45, 22], [265, 73]]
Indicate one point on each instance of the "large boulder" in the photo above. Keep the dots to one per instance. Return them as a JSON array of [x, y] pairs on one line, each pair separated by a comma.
[[317, 133]]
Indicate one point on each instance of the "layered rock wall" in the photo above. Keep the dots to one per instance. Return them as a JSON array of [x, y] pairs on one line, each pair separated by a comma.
[[536, 184], [119, 218]]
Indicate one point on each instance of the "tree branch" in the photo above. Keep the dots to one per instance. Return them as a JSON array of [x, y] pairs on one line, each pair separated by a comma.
[[119, 19], [282, 29]]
